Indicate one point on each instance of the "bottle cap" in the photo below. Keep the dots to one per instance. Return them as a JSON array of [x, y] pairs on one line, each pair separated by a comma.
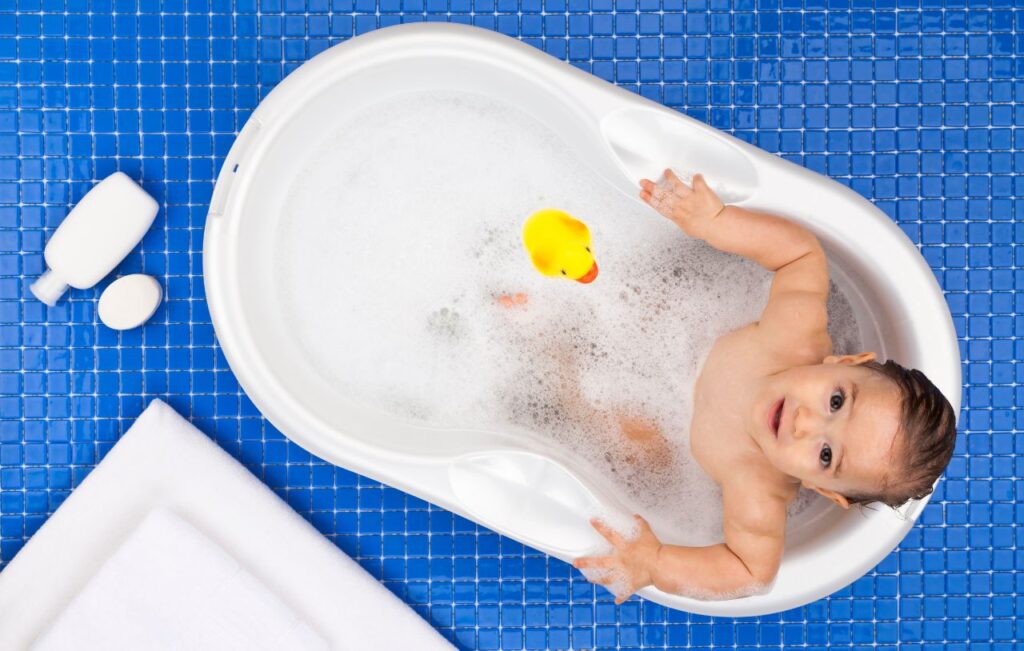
[[48, 288]]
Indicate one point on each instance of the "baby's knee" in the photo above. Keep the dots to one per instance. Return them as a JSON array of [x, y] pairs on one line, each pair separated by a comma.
[[646, 442], [639, 429]]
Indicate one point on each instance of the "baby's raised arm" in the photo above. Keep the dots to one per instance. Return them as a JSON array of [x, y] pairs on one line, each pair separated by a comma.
[[799, 291]]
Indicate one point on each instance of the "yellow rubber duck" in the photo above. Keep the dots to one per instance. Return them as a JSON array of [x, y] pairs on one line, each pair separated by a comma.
[[559, 245]]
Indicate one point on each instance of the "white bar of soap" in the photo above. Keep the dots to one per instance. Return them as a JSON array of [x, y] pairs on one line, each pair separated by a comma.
[[129, 301]]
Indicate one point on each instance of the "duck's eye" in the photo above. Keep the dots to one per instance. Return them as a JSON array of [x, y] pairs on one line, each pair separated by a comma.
[[588, 249], [825, 456], [837, 400], [563, 273]]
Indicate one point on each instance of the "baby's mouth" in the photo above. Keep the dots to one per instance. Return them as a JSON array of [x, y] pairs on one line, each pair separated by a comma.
[[775, 417]]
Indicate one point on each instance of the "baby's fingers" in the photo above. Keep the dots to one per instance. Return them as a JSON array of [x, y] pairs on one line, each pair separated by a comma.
[[607, 532], [671, 182], [701, 186], [624, 593], [588, 562]]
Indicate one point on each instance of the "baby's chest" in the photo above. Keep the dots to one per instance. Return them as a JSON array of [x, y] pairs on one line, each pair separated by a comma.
[[718, 444], [718, 437]]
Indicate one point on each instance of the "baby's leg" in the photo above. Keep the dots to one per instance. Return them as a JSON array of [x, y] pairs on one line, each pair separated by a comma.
[[627, 434], [624, 424], [645, 444]]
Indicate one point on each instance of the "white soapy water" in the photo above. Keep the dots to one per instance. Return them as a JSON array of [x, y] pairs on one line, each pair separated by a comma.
[[402, 233], [711, 595]]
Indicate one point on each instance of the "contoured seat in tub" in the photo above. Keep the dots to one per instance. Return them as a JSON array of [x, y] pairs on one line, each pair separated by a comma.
[[506, 479]]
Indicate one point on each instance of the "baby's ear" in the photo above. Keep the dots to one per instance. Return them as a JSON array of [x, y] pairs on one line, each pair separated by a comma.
[[838, 499], [851, 360]]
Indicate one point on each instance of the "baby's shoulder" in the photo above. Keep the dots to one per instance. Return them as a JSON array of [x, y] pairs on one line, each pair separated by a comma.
[[800, 337], [764, 350], [757, 480], [756, 497]]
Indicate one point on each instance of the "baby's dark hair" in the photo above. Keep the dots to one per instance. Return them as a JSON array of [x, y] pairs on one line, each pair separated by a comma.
[[925, 441]]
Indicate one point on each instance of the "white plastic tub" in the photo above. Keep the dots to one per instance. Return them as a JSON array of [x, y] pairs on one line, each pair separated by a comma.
[[537, 494]]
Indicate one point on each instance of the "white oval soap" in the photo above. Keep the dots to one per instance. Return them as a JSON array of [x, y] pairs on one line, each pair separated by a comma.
[[129, 301]]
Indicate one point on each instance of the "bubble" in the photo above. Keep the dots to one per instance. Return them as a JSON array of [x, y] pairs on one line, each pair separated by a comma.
[[615, 581], [705, 595], [404, 230]]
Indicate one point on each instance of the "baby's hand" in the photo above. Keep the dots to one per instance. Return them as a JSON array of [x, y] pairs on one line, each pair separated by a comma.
[[631, 564], [691, 208]]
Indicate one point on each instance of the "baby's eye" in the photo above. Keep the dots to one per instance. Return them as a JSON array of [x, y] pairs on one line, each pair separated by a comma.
[[837, 400], [825, 456]]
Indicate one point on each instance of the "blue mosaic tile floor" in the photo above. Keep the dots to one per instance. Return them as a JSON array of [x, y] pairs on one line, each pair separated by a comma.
[[909, 102]]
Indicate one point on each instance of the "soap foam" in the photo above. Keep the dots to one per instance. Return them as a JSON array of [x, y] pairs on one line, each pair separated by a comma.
[[401, 235], [614, 581]]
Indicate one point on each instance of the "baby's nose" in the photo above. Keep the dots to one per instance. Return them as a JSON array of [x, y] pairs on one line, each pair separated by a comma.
[[805, 422]]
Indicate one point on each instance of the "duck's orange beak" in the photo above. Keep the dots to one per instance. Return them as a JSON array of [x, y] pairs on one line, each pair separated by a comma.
[[589, 276]]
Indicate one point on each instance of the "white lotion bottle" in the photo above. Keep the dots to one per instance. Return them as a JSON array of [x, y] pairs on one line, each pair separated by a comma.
[[95, 236]]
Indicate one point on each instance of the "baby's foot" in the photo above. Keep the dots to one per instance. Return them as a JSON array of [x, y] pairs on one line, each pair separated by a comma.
[[510, 301]]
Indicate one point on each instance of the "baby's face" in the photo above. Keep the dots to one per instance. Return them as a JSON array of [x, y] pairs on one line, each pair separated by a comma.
[[833, 426]]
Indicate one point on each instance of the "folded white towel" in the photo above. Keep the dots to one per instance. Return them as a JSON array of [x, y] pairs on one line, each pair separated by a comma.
[[171, 543], [170, 587]]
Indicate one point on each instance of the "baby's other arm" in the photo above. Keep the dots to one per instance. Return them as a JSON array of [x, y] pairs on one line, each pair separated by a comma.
[[799, 291], [745, 564]]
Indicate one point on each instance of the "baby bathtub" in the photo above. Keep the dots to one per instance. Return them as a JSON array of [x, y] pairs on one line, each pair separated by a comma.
[[529, 492]]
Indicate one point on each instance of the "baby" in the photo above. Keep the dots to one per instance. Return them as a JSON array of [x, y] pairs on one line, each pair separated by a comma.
[[775, 410]]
